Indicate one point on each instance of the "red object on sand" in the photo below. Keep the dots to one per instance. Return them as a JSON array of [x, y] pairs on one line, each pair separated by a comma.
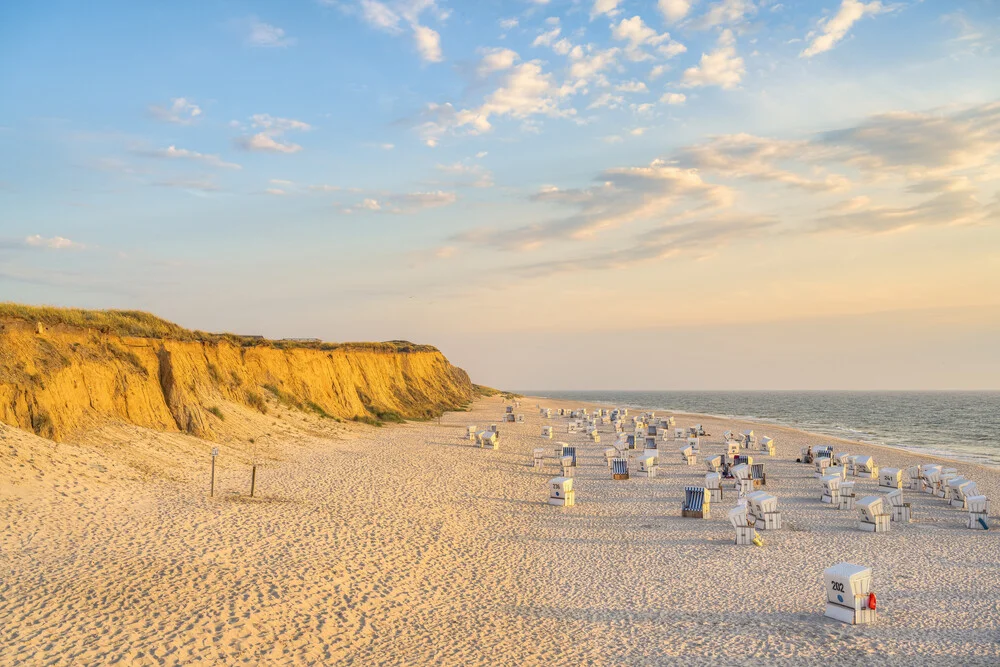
[[871, 601]]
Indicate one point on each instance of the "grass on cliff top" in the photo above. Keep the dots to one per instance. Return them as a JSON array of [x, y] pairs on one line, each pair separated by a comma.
[[483, 390], [137, 324]]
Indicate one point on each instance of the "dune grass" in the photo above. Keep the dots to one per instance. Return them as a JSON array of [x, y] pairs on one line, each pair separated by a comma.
[[138, 324]]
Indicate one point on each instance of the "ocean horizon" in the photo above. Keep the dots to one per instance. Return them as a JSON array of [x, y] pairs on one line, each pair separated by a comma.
[[963, 425]]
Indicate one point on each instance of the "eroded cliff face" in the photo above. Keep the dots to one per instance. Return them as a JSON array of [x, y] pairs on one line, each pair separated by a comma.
[[56, 380]]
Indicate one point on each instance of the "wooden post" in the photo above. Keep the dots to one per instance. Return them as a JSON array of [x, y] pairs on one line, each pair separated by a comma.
[[215, 452], [253, 478]]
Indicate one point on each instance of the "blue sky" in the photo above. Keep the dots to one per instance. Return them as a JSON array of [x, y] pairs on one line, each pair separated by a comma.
[[484, 175]]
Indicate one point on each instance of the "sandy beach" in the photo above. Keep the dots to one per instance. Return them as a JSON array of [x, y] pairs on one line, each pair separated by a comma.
[[407, 545]]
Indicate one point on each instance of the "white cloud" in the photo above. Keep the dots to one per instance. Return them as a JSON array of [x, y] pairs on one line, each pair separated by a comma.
[[469, 175], [428, 43], [390, 17], [675, 10], [658, 71], [834, 29], [181, 111], [496, 60], [607, 100], [636, 33], [269, 139], [621, 196], [757, 158], [266, 35], [724, 12], [722, 67], [174, 153], [526, 91], [632, 87], [508, 24], [584, 66], [54, 243], [193, 185], [673, 98], [266, 143], [378, 15], [604, 7], [671, 49], [275, 191], [547, 38], [404, 203]]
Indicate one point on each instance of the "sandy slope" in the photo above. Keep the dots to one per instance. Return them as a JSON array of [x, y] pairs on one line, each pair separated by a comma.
[[405, 545]]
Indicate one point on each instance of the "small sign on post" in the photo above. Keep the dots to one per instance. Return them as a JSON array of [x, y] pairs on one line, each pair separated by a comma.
[[215, 452]]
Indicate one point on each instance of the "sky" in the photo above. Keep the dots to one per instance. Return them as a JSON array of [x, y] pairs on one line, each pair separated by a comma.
[[560, 194]]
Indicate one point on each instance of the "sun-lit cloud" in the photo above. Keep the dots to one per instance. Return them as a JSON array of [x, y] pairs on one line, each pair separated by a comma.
[[496, 60], [724, 12], [181, 111], [174, 153], [722, 67], [265, 35], [674, 10], [396, 17], [405, 203], [428, 43], [270, 137], [673, 98], [52, 243], [835, 28], [637, 35], [526, 90], [471, 175], [605, 8]]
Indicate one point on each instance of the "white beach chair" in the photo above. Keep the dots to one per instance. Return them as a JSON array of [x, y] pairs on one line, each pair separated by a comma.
[[831, 489], [561, 492], [742, 481], [846, 496], [872, 515], [741, 520], [979, 507], [488, 439], [538, 457], [960, 490], [901, 512], [647, 465], [619, 468], [767, 445], [688, 456], [713, 485], [865, 466], [890, 478], [764, 508], [849, 597]]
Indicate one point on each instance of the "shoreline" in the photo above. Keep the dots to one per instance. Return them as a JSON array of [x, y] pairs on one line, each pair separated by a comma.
[[916, 451]]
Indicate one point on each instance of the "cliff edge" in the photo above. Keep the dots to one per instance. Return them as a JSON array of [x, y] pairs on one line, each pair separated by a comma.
[[63, 370]]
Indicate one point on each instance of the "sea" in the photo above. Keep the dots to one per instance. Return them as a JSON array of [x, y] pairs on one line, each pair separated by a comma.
[[962, 425]]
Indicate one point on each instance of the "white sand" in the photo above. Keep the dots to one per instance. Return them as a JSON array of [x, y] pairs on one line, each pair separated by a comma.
[[405, 545]]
